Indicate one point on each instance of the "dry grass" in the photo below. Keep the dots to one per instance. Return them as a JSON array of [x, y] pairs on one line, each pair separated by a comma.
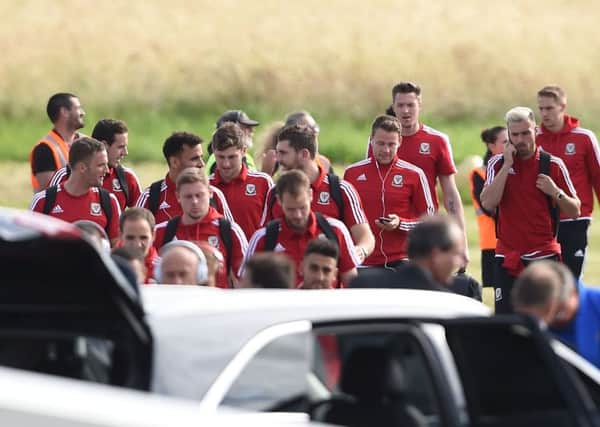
[[472, 57]]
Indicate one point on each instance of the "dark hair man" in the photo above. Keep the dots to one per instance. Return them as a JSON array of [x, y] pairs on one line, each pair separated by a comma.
[[52, 151], [525, 185], [561, 136], [268, 270], [300, 224], [247, 126], [120, 181], [394, 192], [245, 190], [319, 265], [79, 196], [201, 222], [136, 230], [435, 246], [181, 150], [296, 150], [428, 149]]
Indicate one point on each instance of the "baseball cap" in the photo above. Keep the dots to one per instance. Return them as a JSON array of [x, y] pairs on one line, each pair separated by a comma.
[[236, 116]]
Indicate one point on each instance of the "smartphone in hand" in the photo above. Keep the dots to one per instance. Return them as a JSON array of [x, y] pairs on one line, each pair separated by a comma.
[[384, 219]]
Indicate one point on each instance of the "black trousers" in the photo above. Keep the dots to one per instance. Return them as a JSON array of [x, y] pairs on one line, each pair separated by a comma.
[[572, 236], [488, 262], [503, 284]]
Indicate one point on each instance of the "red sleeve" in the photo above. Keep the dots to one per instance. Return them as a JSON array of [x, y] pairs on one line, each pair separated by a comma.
[[592, 161], [421, 198], [113, 227], [38, 202], [256, 244], [347, 260], [353, 209], [445, 163], [135, 190], [239, 249], [561, 177]]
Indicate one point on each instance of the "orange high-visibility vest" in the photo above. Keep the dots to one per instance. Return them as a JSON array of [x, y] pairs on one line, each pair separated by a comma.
[[485, 223], [59, 149]]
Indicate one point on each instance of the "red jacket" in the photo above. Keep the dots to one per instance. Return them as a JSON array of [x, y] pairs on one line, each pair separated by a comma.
[[578, 148]]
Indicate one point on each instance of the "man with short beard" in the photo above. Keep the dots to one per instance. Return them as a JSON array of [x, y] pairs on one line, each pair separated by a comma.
[[79, 197], [201, 222], [52, 151], [524, 193]]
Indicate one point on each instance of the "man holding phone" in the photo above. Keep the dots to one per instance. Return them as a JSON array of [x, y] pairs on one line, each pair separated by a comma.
[[525, 197], [395, 193]]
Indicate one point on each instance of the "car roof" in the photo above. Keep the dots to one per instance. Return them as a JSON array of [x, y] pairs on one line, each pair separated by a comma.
[[198, 331], [17, 225]]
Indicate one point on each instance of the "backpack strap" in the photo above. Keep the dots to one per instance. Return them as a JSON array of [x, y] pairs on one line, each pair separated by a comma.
[[50, 199], [154, 196], [225, 235], [545, 159], [336, 193], [212, 202], [271, 201], [171, 229], [120, 172], [106, 207], [271, 235], [327, 229]]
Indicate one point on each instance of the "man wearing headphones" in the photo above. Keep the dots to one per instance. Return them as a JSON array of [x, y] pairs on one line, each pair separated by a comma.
[[181, 263], [201, 222], [395, 193]]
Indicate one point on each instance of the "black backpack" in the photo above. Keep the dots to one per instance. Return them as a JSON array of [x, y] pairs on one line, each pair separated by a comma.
[[224, 234], [120, 172], [544, 168], [335, 191], [105, 204], [272, 232]]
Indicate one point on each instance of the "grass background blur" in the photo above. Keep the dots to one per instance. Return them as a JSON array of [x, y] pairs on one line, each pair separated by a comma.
[[176, 65]]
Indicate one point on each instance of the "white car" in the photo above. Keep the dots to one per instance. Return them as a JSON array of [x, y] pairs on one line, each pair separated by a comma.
[[357, 357]]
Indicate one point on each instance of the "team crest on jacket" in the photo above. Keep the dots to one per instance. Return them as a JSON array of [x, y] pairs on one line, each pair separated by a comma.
[[213, 241], [570, 148], [323, 198], [424, 148], [95, 209], [397, 180], [250, 190], [116, 184]]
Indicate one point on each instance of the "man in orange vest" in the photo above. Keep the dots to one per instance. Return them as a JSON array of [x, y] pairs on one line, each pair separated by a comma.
[[52, 151]]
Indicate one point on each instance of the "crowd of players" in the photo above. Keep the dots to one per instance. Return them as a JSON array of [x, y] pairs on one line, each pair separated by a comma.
[[225, 223]]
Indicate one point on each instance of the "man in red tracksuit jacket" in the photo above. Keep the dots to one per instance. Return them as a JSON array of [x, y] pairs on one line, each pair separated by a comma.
[[561, 136]]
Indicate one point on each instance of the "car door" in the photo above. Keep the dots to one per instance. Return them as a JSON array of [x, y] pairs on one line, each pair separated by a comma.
[[511, 376], [65, 307], [312, 369]]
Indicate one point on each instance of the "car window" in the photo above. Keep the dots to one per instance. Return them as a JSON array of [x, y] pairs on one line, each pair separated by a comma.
[[507, 380], [275, 377]]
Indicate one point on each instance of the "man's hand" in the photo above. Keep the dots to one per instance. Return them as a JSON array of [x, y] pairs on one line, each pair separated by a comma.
[[509, 154], [546, 185], [391, 224]]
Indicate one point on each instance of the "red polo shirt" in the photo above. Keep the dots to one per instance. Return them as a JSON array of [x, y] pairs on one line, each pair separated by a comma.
[[168, 206], [323, 202], [294, 244], [207, 230], [74, 208], [398, 188], [430, 150], [524, 223], [246, 195]]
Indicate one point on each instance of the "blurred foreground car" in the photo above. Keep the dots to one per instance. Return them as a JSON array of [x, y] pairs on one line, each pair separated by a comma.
[[349, 357]]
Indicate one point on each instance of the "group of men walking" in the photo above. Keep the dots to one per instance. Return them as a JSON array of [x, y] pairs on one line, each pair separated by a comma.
[[367, 215]]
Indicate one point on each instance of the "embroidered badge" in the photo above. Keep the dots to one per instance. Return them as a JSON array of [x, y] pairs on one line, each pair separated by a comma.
[[570, 148], [116, 184], [95, 209], [424, 148], [397, 180], [213, 241], [250, 190], [324, 198]]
